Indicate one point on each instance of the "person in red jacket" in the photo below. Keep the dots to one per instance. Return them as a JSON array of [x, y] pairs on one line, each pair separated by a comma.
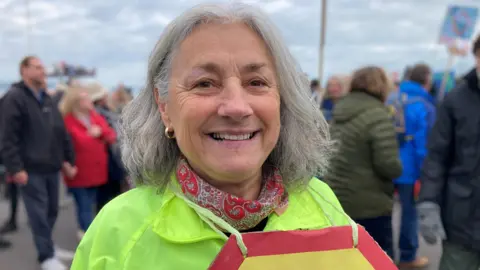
[[90, 135]]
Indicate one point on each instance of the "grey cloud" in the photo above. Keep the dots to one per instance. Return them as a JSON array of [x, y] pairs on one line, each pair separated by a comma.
[[116, 36]]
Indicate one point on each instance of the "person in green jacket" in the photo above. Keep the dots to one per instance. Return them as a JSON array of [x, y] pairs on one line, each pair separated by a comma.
[[222, 140], [367, 159]]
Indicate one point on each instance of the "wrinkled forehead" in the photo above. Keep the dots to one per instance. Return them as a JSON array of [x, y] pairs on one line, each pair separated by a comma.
[[213, 45]]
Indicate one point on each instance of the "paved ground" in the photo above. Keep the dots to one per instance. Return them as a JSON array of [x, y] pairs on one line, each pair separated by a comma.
[[22, 255], [432, 252]]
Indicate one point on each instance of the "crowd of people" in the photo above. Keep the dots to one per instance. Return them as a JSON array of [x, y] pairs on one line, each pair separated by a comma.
[[394, 137], [225, 139], [69, 133]]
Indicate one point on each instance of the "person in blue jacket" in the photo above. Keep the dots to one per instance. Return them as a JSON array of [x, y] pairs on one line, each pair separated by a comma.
[[419, 114]]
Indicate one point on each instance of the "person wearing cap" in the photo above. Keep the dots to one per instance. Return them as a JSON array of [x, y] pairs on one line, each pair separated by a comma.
[[100, 99], [116, 170]]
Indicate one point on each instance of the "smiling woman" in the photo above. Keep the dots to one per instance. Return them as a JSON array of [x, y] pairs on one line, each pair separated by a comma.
[[224, 105], [223, 140]]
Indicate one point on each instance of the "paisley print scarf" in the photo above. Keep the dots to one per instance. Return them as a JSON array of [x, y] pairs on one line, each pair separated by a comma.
[[239, 213]]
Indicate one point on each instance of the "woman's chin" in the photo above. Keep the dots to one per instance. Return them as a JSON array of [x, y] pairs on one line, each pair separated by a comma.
[[234, 166]]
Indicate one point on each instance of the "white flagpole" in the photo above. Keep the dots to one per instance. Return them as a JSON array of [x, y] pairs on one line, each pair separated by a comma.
[[321, 49], [29, 27]]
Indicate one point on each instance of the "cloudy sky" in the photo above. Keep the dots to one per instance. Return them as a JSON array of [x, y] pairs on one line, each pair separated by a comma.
[[116, 36]]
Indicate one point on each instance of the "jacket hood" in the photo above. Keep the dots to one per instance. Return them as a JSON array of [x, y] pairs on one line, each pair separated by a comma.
[[472, 79], [413, 89], [353, 105]]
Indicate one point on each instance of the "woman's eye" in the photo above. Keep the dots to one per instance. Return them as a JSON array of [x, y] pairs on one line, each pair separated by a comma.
[[257, 83], [204, 84]]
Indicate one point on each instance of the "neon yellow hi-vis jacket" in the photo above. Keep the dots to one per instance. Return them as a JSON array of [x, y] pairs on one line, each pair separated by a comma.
[[144, 230]]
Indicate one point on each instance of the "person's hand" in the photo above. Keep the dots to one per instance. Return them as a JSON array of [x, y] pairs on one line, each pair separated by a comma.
[[21, 178], [73, 171], [69, 170], [95, 131], [430, 222]]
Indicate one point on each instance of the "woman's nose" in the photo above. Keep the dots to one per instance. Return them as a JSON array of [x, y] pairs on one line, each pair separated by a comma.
[[235, 104]]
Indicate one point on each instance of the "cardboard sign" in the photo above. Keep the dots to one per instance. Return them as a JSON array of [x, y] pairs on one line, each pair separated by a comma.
[[459, 24], [330, 248]]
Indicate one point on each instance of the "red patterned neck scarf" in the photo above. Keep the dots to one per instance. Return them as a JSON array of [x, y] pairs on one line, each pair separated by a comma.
[[239, 213]]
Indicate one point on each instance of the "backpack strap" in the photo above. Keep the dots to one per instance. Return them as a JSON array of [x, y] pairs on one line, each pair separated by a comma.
[[397, 107]]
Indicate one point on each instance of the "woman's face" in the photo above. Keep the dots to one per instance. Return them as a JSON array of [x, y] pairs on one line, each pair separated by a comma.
[[223, 104], [84, 102], [334, 88]]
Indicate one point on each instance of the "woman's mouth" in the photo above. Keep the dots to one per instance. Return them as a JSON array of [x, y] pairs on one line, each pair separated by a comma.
[[232, 137]]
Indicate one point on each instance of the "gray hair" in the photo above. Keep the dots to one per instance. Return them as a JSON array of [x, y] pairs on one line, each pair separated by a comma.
[[304, 143]]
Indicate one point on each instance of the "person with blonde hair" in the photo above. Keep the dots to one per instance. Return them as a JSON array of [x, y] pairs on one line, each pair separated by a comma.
[[362, 171], [223, 140], [90, 135]]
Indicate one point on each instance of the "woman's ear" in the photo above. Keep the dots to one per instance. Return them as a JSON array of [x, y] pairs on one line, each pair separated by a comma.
[[162, 108]]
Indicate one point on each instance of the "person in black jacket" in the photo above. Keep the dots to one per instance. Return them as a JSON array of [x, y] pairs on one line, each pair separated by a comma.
[[449, 202], [35, 147], [4, 244], [11, 224]]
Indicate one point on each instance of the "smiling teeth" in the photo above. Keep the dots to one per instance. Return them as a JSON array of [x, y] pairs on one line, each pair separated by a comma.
[[230, 137]]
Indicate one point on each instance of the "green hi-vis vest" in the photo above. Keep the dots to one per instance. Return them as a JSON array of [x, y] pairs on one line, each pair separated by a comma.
[[142, 230]]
